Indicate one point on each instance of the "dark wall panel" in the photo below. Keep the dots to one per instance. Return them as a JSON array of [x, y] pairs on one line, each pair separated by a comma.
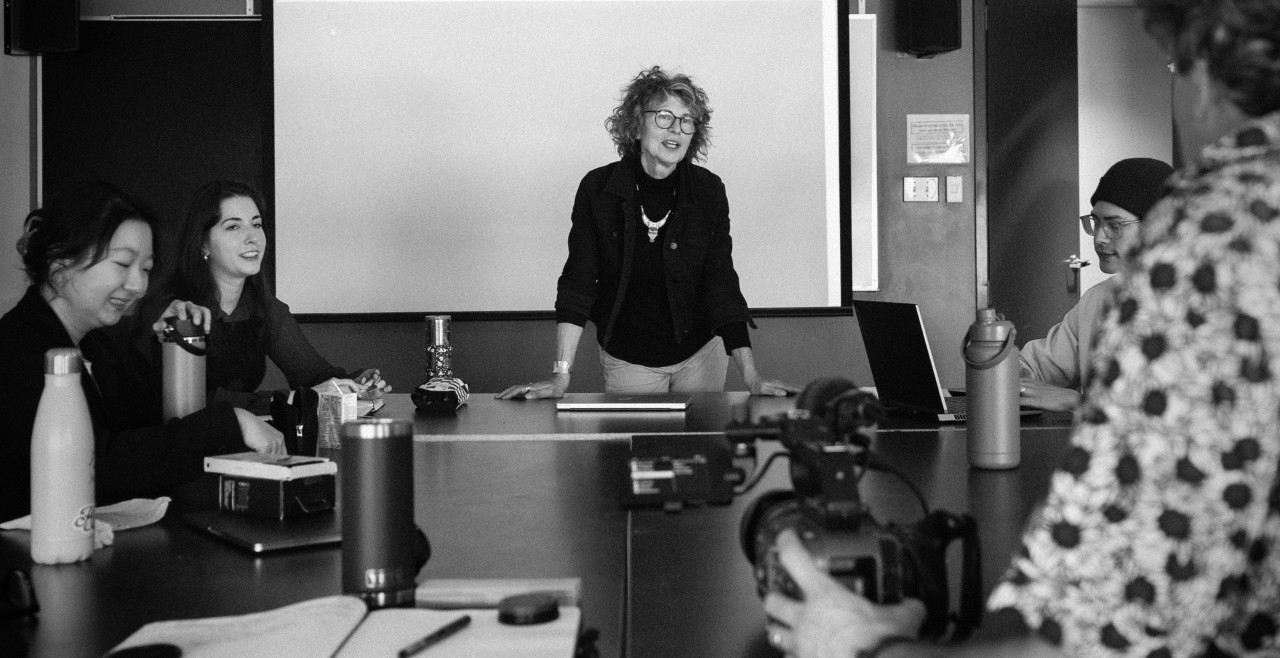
[[156, 108], [1033, 139]]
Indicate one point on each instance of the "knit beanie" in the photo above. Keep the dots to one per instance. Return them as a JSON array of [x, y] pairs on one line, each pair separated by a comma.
[[1134, 184]]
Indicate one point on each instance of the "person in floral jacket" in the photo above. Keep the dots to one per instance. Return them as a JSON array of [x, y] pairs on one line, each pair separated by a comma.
[[1160, 535]]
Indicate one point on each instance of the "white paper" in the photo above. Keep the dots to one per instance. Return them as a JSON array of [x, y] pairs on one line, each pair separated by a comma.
[[938, 138]]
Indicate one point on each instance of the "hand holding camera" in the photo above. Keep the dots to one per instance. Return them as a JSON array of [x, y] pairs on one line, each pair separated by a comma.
[[829, 619], [849, 560]]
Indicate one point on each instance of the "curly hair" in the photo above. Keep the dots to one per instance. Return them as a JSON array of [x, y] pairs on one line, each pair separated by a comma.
[[77, 228], [1239, 40], [653, 85]]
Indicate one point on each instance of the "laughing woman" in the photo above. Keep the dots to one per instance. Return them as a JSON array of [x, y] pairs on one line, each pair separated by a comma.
[[89, 259]]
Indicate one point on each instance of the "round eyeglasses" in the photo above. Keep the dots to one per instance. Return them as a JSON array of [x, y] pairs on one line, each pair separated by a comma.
[[664, 118], [1110, 227]]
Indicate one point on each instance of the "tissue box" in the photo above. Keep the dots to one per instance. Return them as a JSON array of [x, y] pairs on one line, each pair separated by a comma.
[[276, 499], [334, 409]]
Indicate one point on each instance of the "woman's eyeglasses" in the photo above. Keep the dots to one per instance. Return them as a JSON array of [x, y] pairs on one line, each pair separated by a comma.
[[1109, 227], [664, 118]]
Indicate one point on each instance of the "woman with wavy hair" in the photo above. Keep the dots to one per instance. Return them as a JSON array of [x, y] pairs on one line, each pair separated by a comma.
[[650, 257]]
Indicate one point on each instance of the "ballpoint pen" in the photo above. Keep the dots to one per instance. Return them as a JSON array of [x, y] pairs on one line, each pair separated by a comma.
[[436, 636]]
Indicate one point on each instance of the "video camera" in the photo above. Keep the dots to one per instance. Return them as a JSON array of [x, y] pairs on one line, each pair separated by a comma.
[[827, 439]]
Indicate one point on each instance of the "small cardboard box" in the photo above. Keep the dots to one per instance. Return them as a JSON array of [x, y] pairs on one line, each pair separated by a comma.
[[334, 409], [276, 499]]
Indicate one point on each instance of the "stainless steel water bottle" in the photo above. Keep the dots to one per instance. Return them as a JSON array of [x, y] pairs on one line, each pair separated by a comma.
[[183, 354], [377, 511], [62, 500], [991, 384]]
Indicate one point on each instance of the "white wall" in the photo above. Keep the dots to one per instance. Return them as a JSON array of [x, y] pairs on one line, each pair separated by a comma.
[[15, 170], [1125, 103]]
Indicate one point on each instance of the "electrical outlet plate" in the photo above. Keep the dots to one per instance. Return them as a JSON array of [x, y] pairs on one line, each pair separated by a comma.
[[920, 188], [955, 189]]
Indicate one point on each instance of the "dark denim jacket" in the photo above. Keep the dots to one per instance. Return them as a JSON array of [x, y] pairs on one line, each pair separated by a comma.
[[702, 285]]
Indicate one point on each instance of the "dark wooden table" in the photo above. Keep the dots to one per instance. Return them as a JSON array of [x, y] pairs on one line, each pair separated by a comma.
[[515, 489], [515, 509]]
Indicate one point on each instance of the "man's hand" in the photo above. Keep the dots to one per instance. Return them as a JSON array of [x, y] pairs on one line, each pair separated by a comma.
[[1037, 394]]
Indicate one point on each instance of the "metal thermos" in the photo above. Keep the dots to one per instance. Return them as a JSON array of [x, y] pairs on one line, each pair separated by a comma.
[[991, 384], [183, 353], [377, 512], [62, 500]]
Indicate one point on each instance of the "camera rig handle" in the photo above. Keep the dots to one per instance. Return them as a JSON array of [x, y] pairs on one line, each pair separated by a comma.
[[926, 544]]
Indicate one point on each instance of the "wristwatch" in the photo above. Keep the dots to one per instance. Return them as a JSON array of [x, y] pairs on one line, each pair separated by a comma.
[[560, 368]]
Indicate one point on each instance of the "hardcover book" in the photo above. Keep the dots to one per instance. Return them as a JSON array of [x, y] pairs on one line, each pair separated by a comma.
[[269, 467]]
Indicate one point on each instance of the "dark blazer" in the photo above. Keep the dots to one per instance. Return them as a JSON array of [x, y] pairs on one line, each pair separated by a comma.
[[142, 462], [702, 285]]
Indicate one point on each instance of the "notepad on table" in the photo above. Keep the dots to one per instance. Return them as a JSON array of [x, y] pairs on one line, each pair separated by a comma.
[[342, 626]]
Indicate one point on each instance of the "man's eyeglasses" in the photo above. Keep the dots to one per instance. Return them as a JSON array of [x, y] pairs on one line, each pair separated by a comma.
[[1110, 227], [664, 118]]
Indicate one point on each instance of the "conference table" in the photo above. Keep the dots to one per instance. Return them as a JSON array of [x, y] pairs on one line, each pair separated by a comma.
[[515, 489]]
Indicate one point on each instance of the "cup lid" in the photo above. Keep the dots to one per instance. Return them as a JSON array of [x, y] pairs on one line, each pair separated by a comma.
[[63, 361]]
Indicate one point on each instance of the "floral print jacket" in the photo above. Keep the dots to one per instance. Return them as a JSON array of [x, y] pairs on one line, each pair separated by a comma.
[[1160, 535]]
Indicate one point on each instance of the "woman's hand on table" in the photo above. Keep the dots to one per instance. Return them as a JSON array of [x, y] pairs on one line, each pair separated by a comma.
[[549, 388], [371, 384], [761, 386], [258, 435], [182, 310]]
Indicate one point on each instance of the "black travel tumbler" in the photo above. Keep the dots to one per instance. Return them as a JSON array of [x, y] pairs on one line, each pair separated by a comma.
[[377, 512]]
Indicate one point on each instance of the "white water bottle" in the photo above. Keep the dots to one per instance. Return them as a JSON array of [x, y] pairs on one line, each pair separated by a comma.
[[62, 502]]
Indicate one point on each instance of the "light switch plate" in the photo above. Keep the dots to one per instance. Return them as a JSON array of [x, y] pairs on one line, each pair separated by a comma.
[[955, 189], [920, 188]]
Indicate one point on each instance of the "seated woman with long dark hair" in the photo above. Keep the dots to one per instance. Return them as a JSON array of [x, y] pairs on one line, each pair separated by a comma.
[[89, 259], [217, 281]]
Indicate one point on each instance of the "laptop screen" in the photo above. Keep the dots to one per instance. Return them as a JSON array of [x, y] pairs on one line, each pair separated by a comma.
[[898, 352]]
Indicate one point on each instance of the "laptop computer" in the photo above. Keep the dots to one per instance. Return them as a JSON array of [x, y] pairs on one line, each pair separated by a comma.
[[624, 402], [259, 535], [902, 363]]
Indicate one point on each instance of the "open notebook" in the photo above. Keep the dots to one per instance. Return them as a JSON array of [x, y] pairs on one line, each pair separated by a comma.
[[343, 626], [902, 362]]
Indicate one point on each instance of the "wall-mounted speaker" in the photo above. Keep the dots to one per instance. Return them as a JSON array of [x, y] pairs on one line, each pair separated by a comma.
[[930, 27], [33, 27]]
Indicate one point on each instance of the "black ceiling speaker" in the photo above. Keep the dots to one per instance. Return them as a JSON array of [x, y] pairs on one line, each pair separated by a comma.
[[930, 27], [41, 26]]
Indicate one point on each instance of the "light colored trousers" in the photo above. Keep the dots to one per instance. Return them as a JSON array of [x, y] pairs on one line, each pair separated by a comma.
[[704, 371]]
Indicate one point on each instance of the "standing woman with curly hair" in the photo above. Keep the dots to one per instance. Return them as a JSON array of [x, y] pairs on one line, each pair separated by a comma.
[[650, 257]]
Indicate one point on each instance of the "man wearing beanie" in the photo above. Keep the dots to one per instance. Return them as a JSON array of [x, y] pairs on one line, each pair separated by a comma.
[[1053, 366]]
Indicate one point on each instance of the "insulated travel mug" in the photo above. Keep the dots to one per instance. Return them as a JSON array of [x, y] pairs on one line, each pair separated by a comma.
[[377, 512]]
